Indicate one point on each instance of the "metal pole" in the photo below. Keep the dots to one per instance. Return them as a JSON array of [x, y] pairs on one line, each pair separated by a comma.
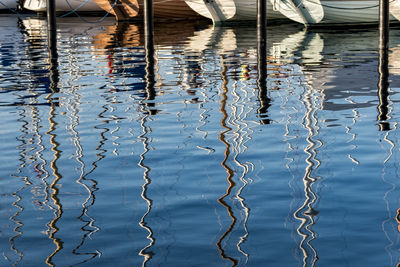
[[262, 60], [149, 49], [51, 14], [383, 24], [383, 68], [262, 28], [52, 44]]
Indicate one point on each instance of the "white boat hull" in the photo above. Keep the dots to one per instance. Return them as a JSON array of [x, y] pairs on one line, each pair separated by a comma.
[[323, 11], [351, 12], [63, 5], [232, 10]]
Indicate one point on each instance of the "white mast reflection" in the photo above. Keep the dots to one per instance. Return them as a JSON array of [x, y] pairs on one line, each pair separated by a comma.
[[147, 181], [147, 109], [311, 101], [242, 134], [306, 213], [27, 183], [73, 104]]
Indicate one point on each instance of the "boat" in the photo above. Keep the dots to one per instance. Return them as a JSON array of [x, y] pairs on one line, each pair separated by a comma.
[[64, 6], [170, 9], [394, 8], [337, 12], [233, 10], [121, 9], [162, 9], [307, 12]]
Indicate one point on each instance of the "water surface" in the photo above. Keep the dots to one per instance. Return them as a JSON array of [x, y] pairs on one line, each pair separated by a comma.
[[101, 166]]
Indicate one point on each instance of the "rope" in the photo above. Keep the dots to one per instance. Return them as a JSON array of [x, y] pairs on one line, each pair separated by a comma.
[[73, 11]]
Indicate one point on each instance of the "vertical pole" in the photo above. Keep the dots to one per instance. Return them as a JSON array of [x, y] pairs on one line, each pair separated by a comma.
[[383, 24], [149, 49], [51, 14], [383, 84], [262, 60], [52, 43]]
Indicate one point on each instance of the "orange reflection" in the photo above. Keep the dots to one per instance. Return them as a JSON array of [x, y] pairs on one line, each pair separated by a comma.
[[229, 171]]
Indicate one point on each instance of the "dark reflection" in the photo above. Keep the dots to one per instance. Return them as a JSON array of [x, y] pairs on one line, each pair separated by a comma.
[[262, 63], [383, 89], [149, 50], [224, 164], [262, 87]]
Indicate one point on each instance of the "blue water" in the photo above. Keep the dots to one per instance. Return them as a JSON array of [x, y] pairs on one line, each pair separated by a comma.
[[204, 167]]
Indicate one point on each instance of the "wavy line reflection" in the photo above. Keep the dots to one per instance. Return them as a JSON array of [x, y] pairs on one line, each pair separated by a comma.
[[27, 183], [90, 185], [147, 181], [150, 108], [58, 209], [308, 101], [306, 213], [387, 225], [242, 134], [229, 171]]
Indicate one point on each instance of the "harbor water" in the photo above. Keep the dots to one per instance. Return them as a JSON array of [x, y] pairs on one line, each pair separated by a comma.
[[109, 159]]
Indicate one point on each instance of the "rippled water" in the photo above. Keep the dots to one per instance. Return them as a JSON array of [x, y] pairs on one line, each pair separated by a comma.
[[102, 167]]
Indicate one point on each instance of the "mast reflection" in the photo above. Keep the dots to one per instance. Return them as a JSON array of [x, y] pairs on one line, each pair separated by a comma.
[[228, 170], [383, 89], [147, 181], [58, 210], [90, 185], [18, 202], [150, 95], [262, 71], [387, 225], [307, 213], [242, 134]]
